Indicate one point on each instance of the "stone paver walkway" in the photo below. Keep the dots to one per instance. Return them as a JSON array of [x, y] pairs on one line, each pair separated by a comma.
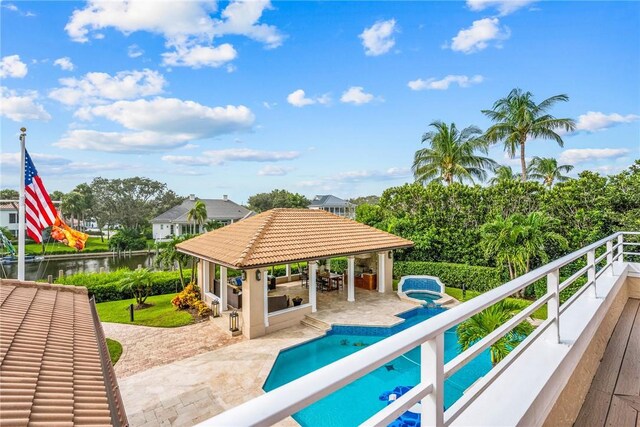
[[145, 347]]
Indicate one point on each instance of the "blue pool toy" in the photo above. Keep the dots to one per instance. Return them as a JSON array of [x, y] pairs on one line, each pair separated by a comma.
[[410, 418]]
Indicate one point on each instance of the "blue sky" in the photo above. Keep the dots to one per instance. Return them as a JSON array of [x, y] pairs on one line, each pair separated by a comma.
[[315, 97]]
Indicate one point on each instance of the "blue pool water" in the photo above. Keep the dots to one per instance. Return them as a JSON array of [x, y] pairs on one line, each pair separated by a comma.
[[427, 297], [357, 401]]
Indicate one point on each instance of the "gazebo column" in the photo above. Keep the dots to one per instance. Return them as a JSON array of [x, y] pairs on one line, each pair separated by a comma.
[[223, 288], [381, 271], [288, 273], [328, 264], [351, 286], [313, 269]]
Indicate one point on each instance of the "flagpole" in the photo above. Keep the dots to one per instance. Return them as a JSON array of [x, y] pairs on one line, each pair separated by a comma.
[[21, 211]]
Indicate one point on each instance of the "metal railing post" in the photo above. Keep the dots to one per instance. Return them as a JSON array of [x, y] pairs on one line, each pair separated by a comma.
[[591, 272], [553, 306], [432, 372], [620, 248], [610, 256]]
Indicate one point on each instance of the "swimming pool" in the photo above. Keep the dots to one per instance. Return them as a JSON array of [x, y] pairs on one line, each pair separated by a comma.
[[427, 297], [356, 402]]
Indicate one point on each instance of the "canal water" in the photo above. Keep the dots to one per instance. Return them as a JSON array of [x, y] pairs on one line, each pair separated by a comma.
[[41, 269]]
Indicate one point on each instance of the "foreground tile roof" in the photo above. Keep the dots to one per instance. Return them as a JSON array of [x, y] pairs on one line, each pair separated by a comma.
[[52, 359], [281, 236]]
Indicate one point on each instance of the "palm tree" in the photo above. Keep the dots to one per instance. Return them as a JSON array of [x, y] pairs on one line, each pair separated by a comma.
[[170, 256], [482, 324], [547, 170], [503, 174], [517, 240], [197, 214], [518, 118], [452, 155], [139, 283]]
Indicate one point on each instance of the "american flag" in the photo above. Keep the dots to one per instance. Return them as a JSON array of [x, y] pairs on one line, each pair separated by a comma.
[[40, 212]]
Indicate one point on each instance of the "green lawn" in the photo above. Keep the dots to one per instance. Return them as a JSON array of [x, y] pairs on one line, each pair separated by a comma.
[[161, 314], [93, 245], [115, 350]]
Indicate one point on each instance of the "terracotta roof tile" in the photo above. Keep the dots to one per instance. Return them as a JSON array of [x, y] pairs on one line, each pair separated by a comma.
[[51, 365], [289, 235]]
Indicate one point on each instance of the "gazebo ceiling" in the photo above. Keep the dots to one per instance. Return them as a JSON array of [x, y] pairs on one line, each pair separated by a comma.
[[281, 236]]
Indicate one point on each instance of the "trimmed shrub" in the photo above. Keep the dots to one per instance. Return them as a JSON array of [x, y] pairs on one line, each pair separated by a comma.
[[128, 239], [106, 286], [190, 298], [474, 278]]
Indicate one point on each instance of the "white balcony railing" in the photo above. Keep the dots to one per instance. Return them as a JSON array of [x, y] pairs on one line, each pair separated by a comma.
[[429, 335]]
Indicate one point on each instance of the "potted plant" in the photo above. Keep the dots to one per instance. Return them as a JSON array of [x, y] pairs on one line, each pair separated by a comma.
[[296, 301]]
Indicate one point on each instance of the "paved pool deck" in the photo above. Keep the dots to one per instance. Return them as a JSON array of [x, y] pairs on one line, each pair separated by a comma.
[[188, 391]]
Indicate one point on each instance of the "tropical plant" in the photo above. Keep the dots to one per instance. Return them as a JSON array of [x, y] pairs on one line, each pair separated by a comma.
[[482, 324], [518, 118], [127, 239], [451, 155], [502, 174], [197, 214], [517, 240], [213, 224], [277, 199], [169, 257], [139, 282], [546, 169]]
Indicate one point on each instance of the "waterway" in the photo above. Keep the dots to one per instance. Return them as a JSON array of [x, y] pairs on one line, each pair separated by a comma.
[[41, 269]]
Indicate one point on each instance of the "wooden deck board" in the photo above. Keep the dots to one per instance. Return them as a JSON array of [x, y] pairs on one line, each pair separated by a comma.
[[612, 399]]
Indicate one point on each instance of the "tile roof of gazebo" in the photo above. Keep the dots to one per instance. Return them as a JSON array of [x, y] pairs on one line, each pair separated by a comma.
[[281, 236]]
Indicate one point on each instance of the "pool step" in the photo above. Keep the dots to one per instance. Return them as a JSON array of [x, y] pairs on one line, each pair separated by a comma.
[[315, 323]]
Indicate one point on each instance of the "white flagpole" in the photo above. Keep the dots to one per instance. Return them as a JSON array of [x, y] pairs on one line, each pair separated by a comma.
[[21, 212]]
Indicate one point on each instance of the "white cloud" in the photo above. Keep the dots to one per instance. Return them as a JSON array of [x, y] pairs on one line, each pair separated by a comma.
[[504, 7], [582, 155], [21, 106], [188, 27], [594, 121], [298, 98], [356, 95], [444, 83], [12, 66], [378, 39], [218, 157], [177, 117], [13, 8], [64, 63], [272, 170], [374, 175], [198, 56], [94, 88], [120, 142], [478, 36], [50, 164], [269, 105], [157, 124], [134, 51]]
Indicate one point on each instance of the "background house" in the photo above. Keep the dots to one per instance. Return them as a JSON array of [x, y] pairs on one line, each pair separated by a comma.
[[175, 222], [334, 204], [9, 216]]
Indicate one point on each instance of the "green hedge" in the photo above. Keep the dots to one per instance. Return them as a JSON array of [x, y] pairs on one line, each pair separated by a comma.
[[106, 287], [474, 278]]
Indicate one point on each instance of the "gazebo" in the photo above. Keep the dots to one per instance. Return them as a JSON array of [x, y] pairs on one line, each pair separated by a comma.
[[285, 237]]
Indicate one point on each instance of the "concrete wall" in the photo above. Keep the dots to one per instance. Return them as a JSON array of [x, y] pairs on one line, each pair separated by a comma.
[[288, 317], [568, 405]]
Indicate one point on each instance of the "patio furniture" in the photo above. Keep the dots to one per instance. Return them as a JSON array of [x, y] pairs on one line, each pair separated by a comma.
[[304, 276], [277, 303], [271, 283], [234, 297]]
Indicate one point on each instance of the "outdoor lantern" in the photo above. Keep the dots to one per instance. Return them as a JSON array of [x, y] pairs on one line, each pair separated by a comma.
[[244, 275], [215, 308], [390, 254], [258, 275], [233, 321]]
